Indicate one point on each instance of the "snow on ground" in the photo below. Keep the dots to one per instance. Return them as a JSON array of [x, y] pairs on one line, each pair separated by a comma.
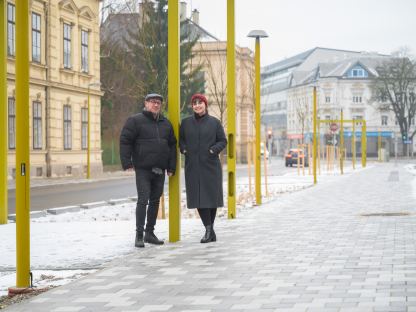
[[67, 246]]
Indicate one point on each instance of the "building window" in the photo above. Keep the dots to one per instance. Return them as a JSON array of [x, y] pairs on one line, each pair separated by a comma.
[[67, 45], [357, 72], [37, 125], [11, 29], [36, 37], [328, 117], [67, 127], [357, 99], [84, 128], [327, 99], [384, 120], [358, 117], [84, 51], [12, 122]]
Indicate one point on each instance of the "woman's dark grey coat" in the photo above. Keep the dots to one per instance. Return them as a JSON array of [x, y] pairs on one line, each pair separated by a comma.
[[203, 172]]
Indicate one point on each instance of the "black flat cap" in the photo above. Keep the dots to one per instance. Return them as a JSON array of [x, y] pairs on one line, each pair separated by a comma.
[[153, 96]]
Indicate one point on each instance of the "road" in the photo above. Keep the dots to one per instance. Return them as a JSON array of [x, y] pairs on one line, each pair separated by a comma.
[[59, 195]]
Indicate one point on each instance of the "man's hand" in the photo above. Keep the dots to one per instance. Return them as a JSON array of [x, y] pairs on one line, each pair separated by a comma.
[[170, 174]]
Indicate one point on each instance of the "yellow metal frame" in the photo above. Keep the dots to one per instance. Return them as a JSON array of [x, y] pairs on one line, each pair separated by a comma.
[[22, 146], [363, 135], [174, 115], [315, 137], [231, 155], [258, 123], [3, 114]]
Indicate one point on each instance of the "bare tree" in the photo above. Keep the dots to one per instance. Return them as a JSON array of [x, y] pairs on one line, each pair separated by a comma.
[[302, 113], [394, 89]]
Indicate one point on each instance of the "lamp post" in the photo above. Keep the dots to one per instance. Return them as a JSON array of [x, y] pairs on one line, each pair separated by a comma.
[[93, 84], [257, 34]]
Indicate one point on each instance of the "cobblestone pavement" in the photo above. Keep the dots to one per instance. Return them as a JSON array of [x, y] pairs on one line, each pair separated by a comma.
[[312, 250]]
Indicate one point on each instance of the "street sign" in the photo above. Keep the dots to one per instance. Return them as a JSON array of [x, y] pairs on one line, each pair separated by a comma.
[[407, 141], [333, 126]]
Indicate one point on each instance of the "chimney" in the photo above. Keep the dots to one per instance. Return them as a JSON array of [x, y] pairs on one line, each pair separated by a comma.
[[183, 11], [195, 16]]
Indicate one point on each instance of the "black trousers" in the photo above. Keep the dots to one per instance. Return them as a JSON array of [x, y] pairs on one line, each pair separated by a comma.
[[149, 190], [207, 215]]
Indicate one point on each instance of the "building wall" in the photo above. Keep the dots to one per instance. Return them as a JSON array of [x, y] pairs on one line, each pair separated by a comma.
[[55, 86], [212, 55]]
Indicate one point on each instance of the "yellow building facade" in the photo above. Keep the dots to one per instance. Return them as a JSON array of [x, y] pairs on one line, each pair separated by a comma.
[[212, 56], [64, 71]]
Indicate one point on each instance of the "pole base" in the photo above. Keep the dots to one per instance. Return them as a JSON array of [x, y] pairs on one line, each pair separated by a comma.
[[13, 291]]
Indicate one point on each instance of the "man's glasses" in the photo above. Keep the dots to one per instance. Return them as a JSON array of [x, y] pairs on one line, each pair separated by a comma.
[[156, 102]]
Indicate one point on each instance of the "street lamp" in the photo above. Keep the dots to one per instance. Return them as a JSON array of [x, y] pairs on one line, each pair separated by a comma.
[[93, 84], [257, 34]]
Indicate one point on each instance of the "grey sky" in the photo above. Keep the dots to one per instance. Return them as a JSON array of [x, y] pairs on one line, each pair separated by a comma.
[[295, 26]]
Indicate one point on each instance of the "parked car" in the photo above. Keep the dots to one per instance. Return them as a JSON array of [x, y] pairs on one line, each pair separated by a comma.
[[291, 158]]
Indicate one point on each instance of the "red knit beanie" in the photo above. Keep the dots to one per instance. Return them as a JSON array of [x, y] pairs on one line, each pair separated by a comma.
[[200, 97]]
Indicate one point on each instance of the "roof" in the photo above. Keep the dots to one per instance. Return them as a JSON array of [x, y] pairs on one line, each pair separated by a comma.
[[118, 27]]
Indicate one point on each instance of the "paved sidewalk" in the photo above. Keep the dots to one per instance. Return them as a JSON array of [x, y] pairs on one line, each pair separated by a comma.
[[309, 251]]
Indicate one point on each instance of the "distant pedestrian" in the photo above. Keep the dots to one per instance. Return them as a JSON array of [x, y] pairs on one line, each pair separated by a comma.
[[148, 146], [201, 140]]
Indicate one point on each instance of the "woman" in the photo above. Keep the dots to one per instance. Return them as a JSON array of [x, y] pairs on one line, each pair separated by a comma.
[[201, 140]]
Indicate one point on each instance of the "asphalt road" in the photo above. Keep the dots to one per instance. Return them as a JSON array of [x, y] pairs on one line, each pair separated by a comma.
[[59, 195]]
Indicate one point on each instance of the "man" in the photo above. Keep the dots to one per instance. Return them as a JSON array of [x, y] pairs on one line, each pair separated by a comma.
[[148, 146]]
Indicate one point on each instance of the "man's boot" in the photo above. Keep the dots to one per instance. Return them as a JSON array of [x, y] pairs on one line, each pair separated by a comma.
[[209, 235], [151, 238], [139, 240]]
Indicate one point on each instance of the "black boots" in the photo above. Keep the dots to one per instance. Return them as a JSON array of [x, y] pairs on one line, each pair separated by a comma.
[[209, 235], [151, 238], [139, 240]]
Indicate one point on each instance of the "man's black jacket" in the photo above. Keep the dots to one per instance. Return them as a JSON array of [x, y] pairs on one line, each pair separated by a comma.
[[146, 143]]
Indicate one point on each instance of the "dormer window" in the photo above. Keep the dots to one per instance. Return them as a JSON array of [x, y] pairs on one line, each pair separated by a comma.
[[357, 72]]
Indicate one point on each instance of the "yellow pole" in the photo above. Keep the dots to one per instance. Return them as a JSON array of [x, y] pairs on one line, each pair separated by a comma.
[[89, 136], [231, 155], [257, 96], [3, 114], [174, 114], [353, 145], [364, 144], [341, 143], [22, 146], [315, 137]]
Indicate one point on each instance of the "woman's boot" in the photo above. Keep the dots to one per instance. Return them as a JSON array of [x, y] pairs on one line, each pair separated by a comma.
[[209, 235]]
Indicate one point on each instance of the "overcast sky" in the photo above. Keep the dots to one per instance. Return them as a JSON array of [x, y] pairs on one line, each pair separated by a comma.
[[295, 26]]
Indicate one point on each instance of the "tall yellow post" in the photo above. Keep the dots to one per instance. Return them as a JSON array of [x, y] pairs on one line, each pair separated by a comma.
[[364, 144], [89, 136], [258, 122], [3, 114], [231, 154], [22, 146], [341, 144], [174, 114], [353, 145], [315, 137], [257, 34]]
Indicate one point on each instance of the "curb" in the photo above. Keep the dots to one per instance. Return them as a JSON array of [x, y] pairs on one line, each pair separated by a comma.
[[75, 208]]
